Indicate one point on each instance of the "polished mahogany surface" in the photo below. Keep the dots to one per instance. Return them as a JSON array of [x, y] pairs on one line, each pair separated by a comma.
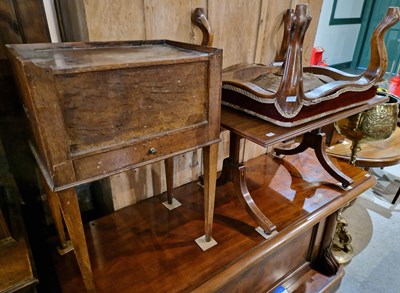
[[147, 248], [266, 134]]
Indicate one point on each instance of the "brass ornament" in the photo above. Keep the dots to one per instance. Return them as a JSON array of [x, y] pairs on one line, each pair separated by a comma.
[[375, 124]]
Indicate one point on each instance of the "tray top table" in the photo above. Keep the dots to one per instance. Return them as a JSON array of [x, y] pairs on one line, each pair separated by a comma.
[[242, 125]]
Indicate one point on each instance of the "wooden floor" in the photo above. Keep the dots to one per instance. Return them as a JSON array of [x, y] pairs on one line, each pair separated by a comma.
[[147, 248]]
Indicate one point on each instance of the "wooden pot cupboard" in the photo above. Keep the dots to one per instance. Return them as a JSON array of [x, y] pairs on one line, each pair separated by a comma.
[[97, 109]]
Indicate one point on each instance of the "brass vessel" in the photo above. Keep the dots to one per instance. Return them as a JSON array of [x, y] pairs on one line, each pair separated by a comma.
[[375, 124]]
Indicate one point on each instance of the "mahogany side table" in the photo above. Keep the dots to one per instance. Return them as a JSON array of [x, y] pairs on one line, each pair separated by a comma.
[[243, 125]]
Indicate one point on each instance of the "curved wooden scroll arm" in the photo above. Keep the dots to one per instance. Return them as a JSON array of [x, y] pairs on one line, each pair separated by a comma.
[[287, 25], [290, 92], [199, 18], [378, 58]]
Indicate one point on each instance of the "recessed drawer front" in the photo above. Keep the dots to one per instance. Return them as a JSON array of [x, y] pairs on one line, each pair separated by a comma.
[[140, 153]]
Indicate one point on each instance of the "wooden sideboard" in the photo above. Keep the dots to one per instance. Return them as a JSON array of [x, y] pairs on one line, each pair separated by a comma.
[[156, 252], [97, 109]]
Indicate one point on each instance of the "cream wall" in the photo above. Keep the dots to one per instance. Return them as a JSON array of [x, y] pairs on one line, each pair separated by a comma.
[[338, 41], [51, 17]]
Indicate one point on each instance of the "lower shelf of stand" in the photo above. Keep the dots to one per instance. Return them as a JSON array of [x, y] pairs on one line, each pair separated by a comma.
[[147, 248]]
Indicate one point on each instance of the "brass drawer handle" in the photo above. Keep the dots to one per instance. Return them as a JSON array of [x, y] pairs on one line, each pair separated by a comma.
[[152, 151]]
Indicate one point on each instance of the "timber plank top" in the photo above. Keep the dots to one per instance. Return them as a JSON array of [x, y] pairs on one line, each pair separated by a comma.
[[79, 57]]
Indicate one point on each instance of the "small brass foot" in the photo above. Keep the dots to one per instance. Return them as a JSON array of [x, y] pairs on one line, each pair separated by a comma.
[[67, 247]]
